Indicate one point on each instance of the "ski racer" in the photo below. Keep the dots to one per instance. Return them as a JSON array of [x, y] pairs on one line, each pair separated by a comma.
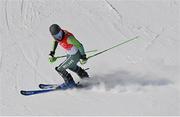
[[75, 53]]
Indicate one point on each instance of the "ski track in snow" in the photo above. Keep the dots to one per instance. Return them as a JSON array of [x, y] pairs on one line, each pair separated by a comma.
[[17, 43], [119, 19], [6, 14], [116, 11]]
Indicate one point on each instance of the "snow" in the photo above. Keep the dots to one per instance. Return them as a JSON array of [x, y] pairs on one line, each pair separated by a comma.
[[137, 78]]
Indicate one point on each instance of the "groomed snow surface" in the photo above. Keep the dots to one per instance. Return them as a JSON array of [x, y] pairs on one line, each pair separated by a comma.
[[137, 78]]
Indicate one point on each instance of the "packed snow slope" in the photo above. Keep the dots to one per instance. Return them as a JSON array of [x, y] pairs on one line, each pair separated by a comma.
[[137, 78]]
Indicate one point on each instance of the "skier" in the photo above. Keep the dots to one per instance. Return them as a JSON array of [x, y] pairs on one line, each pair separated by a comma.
[[75, 53]]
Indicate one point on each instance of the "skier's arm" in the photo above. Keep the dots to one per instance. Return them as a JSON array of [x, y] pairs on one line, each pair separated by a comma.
[[72, 40], [55, 43]]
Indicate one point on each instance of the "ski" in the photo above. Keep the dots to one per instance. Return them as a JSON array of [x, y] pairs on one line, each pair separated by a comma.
[[48, 86], [53, 86], [33, 92]]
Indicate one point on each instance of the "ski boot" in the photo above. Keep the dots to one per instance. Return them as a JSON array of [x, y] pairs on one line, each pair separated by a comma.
[[68, 79], [81, 72], [68, 84]]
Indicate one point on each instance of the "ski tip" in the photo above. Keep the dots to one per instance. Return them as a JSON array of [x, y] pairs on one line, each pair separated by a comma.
[[41, 86], [26, 93], [47, 86], [23, 92], [44, 86]]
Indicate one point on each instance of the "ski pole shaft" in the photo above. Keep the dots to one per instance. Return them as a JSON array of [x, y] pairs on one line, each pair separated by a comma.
[[113, 47], [85, 52]]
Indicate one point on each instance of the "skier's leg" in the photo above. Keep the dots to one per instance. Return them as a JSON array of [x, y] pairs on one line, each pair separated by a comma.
[[79, 71], [65, 75], [61, 69]]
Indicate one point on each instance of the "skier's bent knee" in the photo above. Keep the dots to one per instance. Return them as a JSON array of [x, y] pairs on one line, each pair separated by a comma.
[[59, 69]]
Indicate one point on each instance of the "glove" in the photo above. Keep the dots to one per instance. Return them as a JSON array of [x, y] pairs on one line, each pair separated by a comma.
[[51, 57], [83, 59], [52, 53]]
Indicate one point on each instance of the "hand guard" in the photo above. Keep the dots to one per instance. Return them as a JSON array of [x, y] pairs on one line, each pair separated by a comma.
[[83, 59]]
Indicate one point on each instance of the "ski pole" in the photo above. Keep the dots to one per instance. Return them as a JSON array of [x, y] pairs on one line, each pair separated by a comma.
[[85, 52], [112, 47]]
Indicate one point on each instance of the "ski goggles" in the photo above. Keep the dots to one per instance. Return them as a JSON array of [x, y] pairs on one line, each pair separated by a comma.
[[59, 35]]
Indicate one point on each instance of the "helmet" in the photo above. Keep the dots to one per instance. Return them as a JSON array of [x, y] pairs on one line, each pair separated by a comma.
[[54, 29]]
